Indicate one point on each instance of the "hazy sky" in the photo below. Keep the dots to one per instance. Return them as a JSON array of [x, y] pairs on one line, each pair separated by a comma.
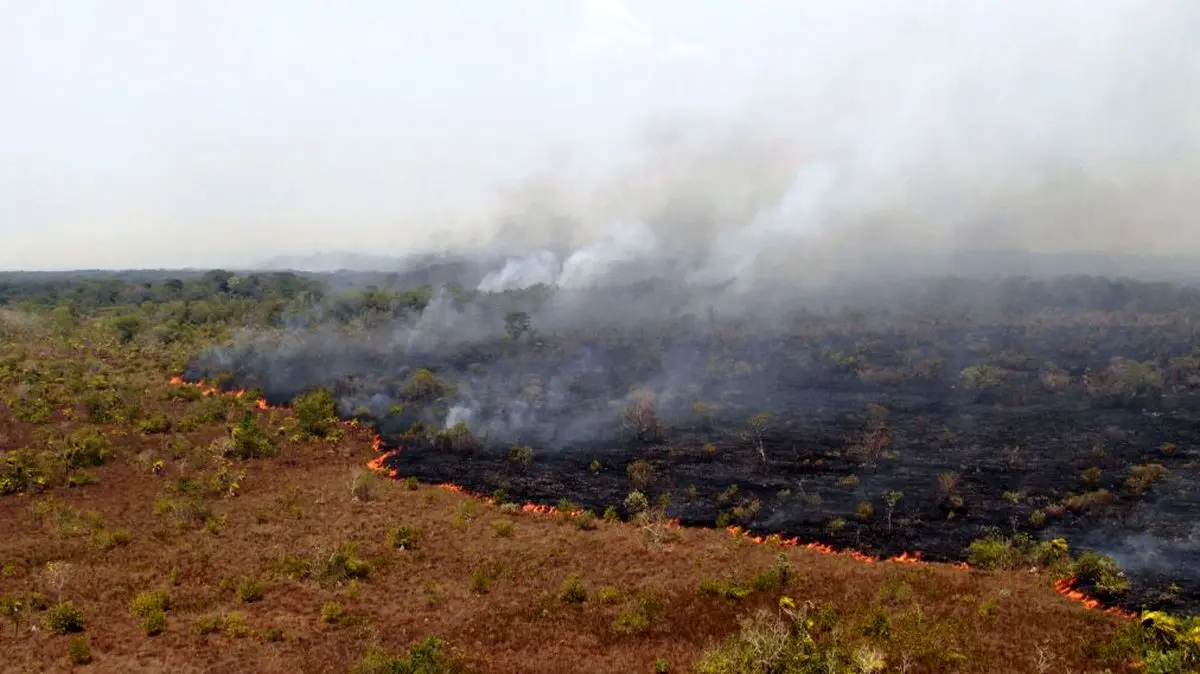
[[161, 133]]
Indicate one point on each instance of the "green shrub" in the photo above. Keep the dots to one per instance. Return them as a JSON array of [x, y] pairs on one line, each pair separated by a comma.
[[249, 440], [209, 624], [64, 618], [250, 590], [637, 617], [86, 448], [107, 540], [503, 528], [316, 414], [403, 537], [153, 623], [586, 520], [235, 625], [1102, 573], [341, 565], [79, 651], [426, 657], [572, 590], [156, 424], [333, 613], [149, 602]]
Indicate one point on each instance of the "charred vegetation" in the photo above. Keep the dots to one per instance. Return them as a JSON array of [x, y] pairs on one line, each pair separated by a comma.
[[917, 417]]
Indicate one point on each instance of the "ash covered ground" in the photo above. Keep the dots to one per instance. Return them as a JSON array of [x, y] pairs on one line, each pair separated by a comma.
[[907, 416]]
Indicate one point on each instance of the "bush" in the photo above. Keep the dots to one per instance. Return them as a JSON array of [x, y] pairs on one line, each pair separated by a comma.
[[637, 617], [503, 528], [572, 590], [86, 448], [1102, 573], [156, 424], [108, 540], [333, 613], [64, 618], [249, 440], [149, 602], [403, 537], [235, 625], [342, 564], [79, 651], [209, 624], [250, 590], [316, 413], [586, 520], [426, 657], [153, 623]]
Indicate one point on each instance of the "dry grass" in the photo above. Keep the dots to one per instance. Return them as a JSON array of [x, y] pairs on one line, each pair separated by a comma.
[[291, 522]]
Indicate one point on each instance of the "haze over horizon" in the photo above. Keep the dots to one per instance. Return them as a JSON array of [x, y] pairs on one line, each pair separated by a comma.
[[163, 135]]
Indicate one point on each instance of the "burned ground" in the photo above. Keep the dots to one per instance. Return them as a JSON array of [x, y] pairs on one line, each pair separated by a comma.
[[909, 419]]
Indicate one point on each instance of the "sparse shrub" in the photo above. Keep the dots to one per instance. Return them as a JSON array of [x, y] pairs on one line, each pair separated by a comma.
[[572, 590], [364, 485], [726, 589], [1091, 476], [64, 618], [235, 625], [641, 473], [79, 651], [155, 424], [1141, 477], [410, 483], [594, 466], [585, 520], [521, 455], [333, 613], [503, 528], [209, 624], [764, 644], [425, 657], [342, 564], [1090, 501], [403, 537], [864, 511], [637, 617], [108, 540], [661, 666], [250, 590], [153, 623], [849, 482], [608, 595], [1037, 518], [273, 635]]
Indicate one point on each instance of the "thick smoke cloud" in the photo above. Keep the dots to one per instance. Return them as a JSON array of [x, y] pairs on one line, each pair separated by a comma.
[[912, 129]]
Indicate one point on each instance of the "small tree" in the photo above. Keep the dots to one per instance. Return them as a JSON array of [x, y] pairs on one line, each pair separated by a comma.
[[518, 323], [891, 499], [755, 431]]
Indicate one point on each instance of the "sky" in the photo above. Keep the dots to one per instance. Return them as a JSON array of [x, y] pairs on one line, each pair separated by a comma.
[[164, 133]]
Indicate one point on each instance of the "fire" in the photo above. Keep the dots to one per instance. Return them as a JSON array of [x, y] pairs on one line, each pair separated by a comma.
[[1066, 588]]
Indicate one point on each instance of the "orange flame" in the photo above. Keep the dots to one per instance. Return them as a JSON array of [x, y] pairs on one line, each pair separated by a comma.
[[1066, 588]]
